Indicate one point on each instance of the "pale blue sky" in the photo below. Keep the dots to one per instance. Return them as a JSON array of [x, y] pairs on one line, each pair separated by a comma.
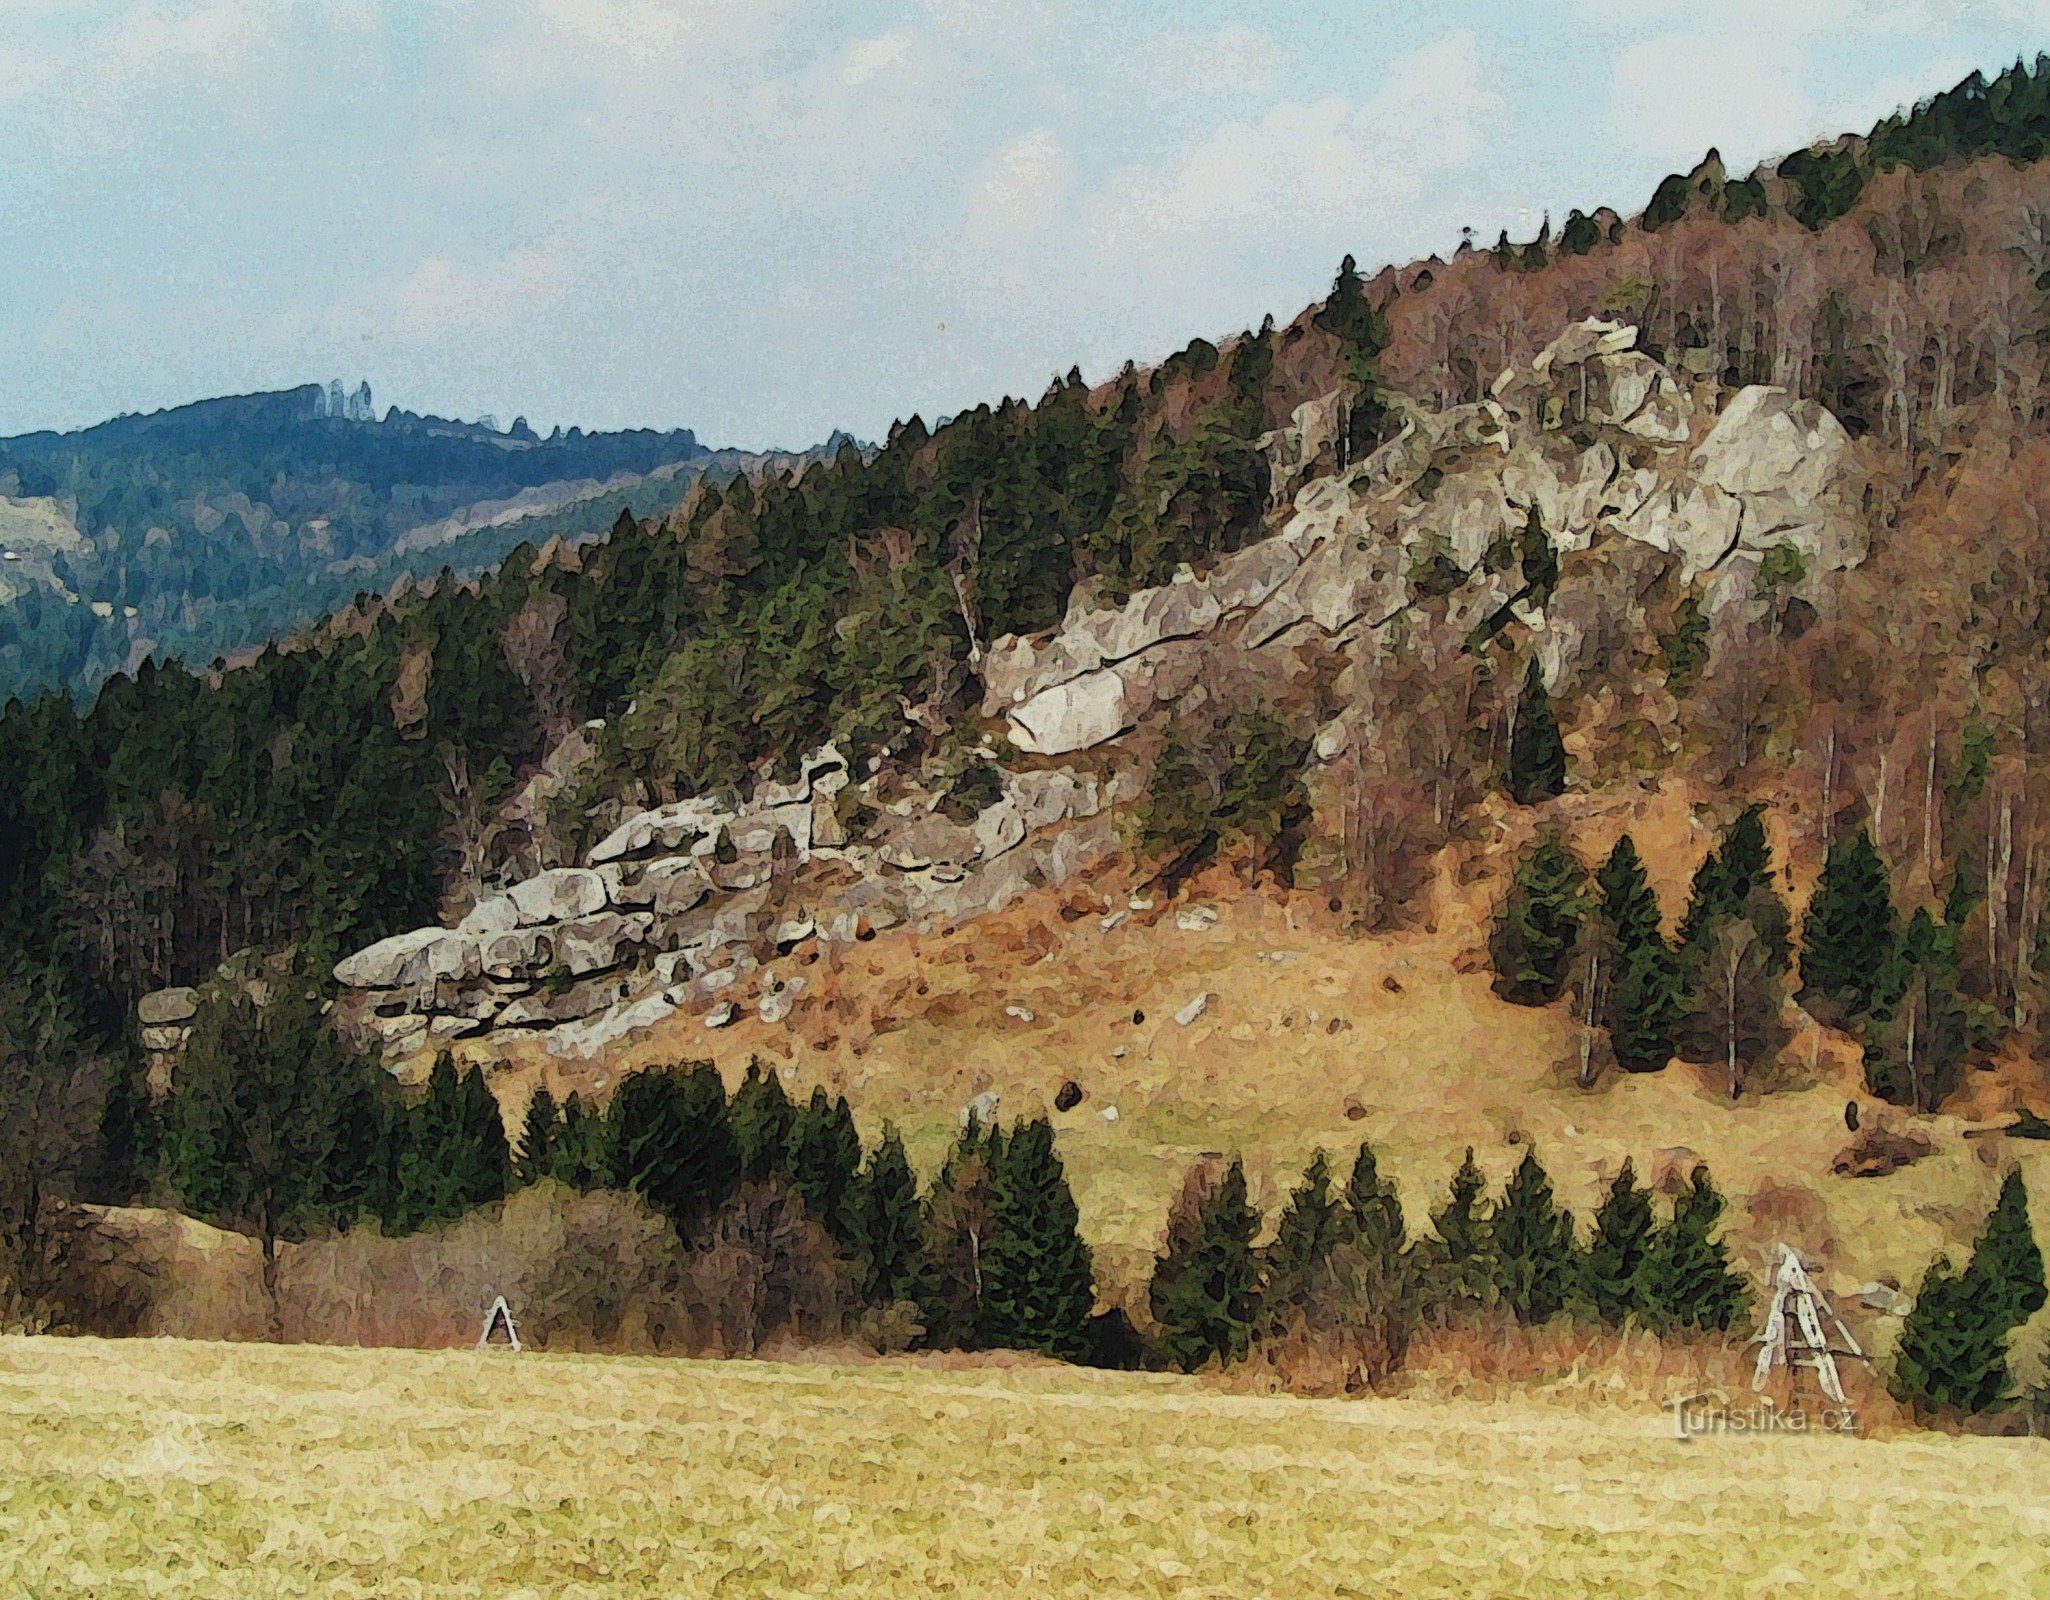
[[764, 219]]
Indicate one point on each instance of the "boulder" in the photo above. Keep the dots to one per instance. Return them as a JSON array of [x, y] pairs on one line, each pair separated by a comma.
[[558, 895], [597, 944], [165, 1038], [1075, 715], [1068, 1096], [982, 1109], [1194, 1009], [493, 914], [580, 1041], [166, 1007], [407, 959]]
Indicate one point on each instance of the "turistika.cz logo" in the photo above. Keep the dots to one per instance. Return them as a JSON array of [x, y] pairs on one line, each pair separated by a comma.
[[1698, 1414]]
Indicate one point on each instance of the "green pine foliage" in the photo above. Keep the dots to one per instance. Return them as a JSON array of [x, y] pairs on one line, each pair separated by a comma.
[[1462, 1257], [1848, 933], [1734, 883], [1643, 998], [540, 1131], [1038, 1284], [823, 1160], [1954, 1343], [1311, 1225], [1531, 1241], [1919, 1035], [1538, 926], [1623, 1228], [957, 1226], [579, 1154], [453, 1150], [1205, 1289], [1537, 755], [1685, 1281], [762, 1117], [888, 1229], [671, 1142]]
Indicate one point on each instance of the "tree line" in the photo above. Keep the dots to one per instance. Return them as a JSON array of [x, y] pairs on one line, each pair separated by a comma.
[[1716, 992]]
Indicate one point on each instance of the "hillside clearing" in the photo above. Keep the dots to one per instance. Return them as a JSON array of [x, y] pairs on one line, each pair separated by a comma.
[[164, 1468]]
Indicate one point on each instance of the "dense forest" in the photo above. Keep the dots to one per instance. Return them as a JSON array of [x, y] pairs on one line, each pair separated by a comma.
[[211, 527], [321, 795]]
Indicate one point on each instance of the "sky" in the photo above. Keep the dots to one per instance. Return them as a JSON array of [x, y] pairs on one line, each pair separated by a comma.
[[767, 219]]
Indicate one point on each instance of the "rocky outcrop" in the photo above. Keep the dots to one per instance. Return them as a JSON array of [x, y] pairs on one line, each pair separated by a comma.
[[679, 906], [1603, 443]]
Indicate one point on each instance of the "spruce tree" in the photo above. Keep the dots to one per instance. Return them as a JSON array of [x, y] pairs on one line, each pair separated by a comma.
[[2006, 1270], [889, 1228], [671, 1142], [1685, 1282], [579, 1153], [486, 1159], [1205, 1289], [823, 1160], [1373, 1210], [1643, 999], [1615, 1255], [1462, 1256], [956, 1234], [1950, 1355], [1532, 1245], [1916, 1046], [1310, 1227], [1848, 932], [761, 1115], [539, 1133], [1537, 756], [1539, 924], [1037, 1280], [1953, 1347], [1734, 883]]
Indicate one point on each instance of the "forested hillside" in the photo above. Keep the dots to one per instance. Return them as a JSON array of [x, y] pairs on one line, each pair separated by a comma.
[[1865, 659], [194, 532]]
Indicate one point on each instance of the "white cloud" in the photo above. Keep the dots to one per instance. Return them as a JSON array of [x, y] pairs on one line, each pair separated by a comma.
[[1675, 96], [867, 57], [444, 298]]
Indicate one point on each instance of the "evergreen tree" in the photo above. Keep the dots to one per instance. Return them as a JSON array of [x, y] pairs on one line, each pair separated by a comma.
[[1310, 1227], [1539, 924], [889, 1228], [1916, 1047], [1373, 1210], [124, 1153], [824, 1159], [539, 1135], [671, 1142], [1615, 1255], [957, 1233], [1642, 999], [1205, 1289], [1037, 1281], [762, 1116], [1462, 1256], [1537, 755], [2006, 1270], [1950, 1355], [455, 1154], [1953, 1346], [1848, 932], [1532, 1245], [579, 1153], [1685, 1283], [1734, 883]]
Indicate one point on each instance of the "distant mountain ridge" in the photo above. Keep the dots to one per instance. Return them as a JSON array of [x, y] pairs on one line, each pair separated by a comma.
[[204, 528]]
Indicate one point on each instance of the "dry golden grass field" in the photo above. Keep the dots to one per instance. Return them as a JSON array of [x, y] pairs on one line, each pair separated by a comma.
[[161, 1468]]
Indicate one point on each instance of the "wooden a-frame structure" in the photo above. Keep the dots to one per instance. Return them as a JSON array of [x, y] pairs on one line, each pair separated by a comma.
[[499, 1316], [1793, 1335]]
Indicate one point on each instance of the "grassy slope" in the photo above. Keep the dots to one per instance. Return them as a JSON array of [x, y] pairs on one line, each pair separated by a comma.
[[169, 1469], [1438, 1065]]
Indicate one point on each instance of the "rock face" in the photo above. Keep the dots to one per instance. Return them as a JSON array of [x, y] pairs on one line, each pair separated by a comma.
[[1603, 443], [680, 903], [1627, 472]]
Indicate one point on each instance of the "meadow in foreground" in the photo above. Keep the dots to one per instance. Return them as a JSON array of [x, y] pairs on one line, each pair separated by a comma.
[[165, 1468]]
